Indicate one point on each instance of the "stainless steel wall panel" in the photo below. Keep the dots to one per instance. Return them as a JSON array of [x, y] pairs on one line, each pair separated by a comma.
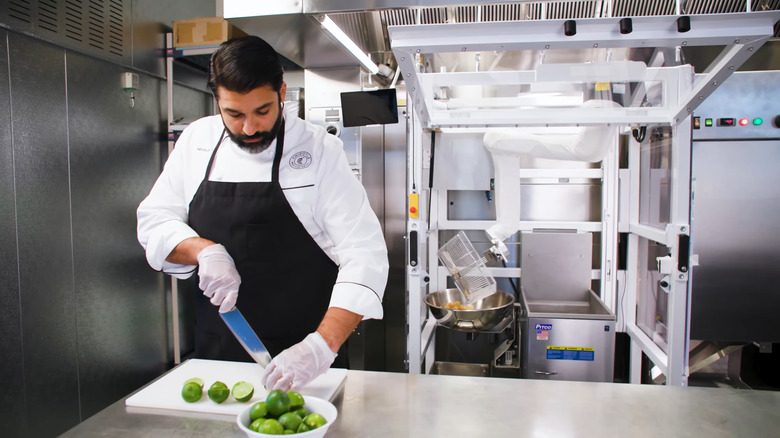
[[12, 403], [367, 343], [394, 219], [120, 302], [84, 319], [39, 116], [373, 166]]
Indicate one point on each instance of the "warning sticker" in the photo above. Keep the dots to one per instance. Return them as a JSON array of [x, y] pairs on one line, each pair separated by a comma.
[[571, 353]]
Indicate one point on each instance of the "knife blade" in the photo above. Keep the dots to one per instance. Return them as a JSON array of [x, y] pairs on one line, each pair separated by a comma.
[[246, 336]]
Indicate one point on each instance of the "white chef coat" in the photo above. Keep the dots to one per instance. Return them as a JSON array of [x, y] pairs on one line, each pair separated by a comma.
[[318, 183]]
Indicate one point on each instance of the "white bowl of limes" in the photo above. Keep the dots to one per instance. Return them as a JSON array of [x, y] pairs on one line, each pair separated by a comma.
[[287, 412]]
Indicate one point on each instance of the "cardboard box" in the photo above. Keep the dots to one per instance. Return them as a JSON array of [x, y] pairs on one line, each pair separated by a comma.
[[209, 31]]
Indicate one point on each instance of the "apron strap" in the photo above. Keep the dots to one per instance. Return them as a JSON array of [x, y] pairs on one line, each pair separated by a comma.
[[214, 154], [278, 153]]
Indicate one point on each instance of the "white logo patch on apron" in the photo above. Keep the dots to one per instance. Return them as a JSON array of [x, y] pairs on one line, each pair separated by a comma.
[[301, 160]]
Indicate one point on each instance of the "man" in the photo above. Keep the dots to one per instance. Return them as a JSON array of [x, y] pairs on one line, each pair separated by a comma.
[[266, 208]]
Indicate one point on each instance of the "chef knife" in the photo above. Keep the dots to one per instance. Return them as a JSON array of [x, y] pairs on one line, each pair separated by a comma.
[[246, 336]]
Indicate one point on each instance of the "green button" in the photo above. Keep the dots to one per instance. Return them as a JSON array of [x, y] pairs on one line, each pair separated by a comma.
[[758, 121], [707, 122]]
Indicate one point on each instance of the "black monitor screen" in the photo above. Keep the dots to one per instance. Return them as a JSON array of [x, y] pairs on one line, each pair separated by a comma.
[[361, 108]]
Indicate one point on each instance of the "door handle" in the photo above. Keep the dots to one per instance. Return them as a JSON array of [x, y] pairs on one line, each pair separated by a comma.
[[546, 373], [413, 248]]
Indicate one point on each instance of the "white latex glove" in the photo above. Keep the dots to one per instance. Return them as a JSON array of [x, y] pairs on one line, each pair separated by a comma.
[[219, 279], [298, 365]]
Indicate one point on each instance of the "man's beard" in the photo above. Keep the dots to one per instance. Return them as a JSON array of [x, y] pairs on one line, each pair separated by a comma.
[[266, 137]]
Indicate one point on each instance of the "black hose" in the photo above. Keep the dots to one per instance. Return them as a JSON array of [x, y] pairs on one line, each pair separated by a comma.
[[430, 175]]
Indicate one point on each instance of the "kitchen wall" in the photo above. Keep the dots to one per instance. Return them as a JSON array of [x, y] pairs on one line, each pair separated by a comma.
[[84, 320]]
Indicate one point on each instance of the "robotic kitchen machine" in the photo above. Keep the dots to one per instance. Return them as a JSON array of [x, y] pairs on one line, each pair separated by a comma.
[[544, 130]]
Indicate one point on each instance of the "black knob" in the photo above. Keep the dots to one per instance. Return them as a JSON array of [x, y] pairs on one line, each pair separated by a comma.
[[776, 121], [626, 26], [683, 24], [332, 130], [569, 27]]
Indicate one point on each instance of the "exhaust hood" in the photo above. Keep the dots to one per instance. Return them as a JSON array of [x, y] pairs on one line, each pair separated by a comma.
[[291, 26]]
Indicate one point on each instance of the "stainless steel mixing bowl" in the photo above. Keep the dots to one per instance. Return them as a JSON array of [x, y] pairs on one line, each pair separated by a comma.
[[486, 315]]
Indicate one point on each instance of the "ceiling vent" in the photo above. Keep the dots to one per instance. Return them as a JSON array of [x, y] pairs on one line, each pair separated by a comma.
[[98, 27]]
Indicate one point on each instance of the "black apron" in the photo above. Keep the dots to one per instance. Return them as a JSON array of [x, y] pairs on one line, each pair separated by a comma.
[[286, 278]]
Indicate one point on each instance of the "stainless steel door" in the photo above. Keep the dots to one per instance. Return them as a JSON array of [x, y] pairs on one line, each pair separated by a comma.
[[736, 223]]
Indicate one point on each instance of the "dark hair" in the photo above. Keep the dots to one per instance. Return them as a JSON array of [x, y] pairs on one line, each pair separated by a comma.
[[243, 64]]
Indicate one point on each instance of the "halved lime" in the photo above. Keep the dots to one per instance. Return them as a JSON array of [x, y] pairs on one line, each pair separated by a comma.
[[191, 392], [296, 400], [218, 392], [243, 391], [197, 380]]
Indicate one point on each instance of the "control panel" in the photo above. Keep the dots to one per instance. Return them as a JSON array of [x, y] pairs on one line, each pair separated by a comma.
[[741, 108]]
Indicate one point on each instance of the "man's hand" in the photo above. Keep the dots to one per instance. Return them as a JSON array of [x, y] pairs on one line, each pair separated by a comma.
[[219, 279], [298, 365]]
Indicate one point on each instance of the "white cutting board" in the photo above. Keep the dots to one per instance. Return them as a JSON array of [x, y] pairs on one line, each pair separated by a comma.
[[165, 392]]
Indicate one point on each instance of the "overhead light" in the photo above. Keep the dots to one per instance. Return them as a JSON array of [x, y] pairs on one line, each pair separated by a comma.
[[336, 32]]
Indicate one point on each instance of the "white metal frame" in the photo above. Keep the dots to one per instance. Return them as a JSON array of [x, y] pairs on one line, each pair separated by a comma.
[[741, 35], [674, 362], [421, 327]]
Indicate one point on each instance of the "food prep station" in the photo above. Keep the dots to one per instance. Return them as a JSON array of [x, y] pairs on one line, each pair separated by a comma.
[[380, 404]]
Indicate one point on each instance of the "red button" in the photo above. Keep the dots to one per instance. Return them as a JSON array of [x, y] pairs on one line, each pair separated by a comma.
[[413, 210]]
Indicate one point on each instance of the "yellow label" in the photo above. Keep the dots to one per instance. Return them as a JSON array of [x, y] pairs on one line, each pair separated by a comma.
[[414, 205], [602, 86], [550, 347]]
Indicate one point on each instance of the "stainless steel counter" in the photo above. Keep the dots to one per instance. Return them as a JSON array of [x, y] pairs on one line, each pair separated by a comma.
[[374, 404]]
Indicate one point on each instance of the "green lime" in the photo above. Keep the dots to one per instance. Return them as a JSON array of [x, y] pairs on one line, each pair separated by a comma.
[[271, 427], [296, 400], [315, 420], [197, 380], [191, 392], [288, 432], [302, 412], [290, 420], [278, 402], [258, 410], [256, 424], [243, 391], [303, 428], [218, 392]]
